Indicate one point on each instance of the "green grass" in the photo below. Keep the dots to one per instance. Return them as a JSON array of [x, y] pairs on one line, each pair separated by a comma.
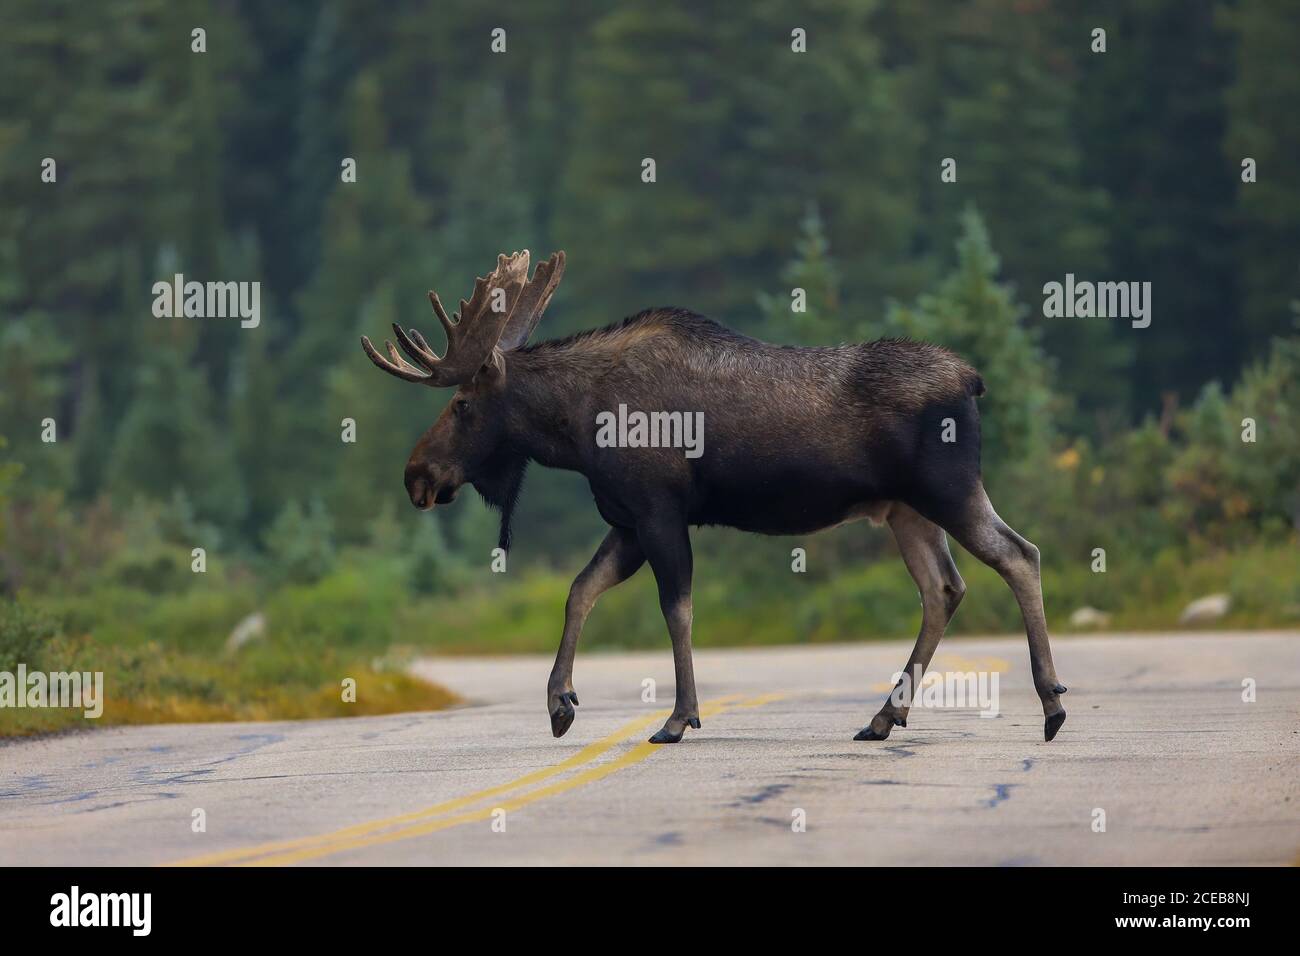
[[872, 602], [165, 658], [149, 684]]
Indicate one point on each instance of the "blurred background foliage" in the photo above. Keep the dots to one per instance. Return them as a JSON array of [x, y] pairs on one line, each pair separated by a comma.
[[775, 170]]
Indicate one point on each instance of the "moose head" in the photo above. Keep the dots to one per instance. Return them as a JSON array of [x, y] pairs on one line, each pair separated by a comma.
[[468, 442]]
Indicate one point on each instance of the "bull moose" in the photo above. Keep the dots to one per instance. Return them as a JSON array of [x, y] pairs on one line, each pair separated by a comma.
[[798, 440]]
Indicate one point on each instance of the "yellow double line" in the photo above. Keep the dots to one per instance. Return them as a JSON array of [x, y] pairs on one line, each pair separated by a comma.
[[443, 816]]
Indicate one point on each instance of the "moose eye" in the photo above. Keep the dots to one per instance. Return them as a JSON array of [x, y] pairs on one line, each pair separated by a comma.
[[460, 406]]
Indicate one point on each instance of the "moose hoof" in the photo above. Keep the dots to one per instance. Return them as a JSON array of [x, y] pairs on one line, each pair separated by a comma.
[[1053, 724], [666, 735], [866, 733], [562, 716]]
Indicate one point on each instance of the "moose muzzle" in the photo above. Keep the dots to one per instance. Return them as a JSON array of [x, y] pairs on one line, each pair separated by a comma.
[[426, 491], [421, 492]]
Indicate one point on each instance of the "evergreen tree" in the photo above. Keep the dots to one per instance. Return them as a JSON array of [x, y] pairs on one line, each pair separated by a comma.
[[1261, 105], [33, 392], [744, 132], [327, 64], [813, 276], [375, 235], [1153, 121], [995, 90], [169, 441], [977, 316], [225, 165], [485, 214], [389, 417], [114, 96], [258, 434], [300, 544]]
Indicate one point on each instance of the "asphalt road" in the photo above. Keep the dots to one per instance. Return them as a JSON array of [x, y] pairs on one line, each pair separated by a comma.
[[1158, 738]]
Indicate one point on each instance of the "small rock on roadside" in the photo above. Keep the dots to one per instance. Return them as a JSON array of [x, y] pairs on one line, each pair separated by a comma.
[[1089, 617], [1209, 608], [249, 629]]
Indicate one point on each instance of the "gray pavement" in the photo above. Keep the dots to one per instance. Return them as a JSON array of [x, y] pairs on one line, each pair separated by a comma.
[[1158, 738]]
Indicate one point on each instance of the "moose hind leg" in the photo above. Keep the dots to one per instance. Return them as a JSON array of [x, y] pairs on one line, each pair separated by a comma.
[[924, 547], [987, 536]]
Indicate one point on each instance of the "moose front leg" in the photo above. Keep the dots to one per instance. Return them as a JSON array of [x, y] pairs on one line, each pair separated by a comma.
[[617, 559], [667, 545]]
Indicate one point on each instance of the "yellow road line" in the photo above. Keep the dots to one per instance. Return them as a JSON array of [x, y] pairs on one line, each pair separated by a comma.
[[637, 754], [583, 756], [758, 701]]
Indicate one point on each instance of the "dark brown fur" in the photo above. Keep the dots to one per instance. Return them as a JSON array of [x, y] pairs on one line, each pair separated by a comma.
[[796, 440]]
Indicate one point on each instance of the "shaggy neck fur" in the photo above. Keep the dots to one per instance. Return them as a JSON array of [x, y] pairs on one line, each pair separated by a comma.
[[538, 392], [500, 491]]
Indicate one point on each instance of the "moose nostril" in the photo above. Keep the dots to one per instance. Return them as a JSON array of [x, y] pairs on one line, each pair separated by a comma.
[[418, 489]]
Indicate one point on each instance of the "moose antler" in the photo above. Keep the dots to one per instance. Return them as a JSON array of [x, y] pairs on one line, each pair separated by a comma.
[[504, 305], [532, 303]]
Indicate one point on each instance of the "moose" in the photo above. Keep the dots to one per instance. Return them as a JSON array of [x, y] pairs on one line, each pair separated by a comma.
[[798, 440]]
